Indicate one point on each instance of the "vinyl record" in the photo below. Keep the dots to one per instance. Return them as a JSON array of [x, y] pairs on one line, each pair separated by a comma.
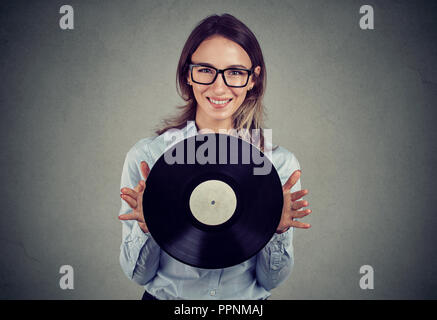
[[210, 202]]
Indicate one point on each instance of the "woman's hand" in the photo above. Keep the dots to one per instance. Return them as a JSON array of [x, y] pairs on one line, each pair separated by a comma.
[[134, 198], [291, 205]]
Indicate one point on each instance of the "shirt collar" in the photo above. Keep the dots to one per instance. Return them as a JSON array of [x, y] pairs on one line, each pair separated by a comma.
[[190, 129]]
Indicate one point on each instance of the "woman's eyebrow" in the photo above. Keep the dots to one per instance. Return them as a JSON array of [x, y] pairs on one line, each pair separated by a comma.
[[231, 66]]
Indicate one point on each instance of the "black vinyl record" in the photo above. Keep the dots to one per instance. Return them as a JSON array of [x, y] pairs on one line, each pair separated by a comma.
[[255, 200]]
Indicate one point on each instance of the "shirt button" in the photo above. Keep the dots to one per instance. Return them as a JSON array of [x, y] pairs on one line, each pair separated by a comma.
[[212, 292]]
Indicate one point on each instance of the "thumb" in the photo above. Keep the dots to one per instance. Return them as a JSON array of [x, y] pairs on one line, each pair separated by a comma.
[[144, 169], [142, 185]]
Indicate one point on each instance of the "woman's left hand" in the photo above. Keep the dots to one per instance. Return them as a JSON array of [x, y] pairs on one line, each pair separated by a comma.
[[292, 205]]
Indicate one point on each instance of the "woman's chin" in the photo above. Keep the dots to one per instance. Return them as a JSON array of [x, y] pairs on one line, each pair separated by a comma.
[[219, 114]]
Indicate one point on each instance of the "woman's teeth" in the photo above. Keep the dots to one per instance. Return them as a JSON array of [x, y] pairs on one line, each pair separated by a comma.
[[219, 102]]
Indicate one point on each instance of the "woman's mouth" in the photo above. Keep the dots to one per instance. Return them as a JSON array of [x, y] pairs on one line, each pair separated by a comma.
[[219, 103]]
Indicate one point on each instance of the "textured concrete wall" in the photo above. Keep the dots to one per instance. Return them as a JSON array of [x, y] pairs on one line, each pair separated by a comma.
[[356, 107]]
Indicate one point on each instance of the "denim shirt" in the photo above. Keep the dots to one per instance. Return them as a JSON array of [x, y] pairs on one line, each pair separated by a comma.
[[166, 278]]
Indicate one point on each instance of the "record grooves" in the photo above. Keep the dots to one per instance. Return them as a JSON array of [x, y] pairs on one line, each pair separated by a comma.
[[250, 222]]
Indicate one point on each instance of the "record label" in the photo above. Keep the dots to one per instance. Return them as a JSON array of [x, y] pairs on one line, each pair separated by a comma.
[[213, 202]]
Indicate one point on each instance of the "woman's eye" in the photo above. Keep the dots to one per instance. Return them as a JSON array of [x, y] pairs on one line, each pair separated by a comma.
[[235, 72], [205, 70]]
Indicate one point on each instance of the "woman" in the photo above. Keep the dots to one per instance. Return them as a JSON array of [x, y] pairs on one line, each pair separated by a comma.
[[216, 100]]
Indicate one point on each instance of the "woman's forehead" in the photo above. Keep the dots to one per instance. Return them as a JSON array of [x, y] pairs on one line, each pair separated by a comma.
[[221, 53]]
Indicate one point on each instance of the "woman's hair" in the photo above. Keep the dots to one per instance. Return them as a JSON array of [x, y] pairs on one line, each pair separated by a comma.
[[250, 115]]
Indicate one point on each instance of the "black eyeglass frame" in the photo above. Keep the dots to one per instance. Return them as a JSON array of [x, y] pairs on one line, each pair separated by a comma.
[[222, 71]]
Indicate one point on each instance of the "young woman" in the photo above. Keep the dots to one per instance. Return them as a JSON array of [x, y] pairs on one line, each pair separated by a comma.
[[221, 75]]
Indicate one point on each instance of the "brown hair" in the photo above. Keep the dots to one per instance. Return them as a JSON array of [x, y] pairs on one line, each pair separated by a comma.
[[250, 115]]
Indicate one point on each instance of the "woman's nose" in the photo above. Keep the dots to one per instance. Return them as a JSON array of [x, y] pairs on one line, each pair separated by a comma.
[[219, 84]]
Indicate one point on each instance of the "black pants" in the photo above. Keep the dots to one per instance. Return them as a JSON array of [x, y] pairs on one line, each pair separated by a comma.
[[148, 296]]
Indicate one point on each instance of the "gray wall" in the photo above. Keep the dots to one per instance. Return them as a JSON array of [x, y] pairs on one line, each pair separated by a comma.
[[356, 107]]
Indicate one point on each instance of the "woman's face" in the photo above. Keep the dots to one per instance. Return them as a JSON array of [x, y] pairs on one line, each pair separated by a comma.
[[221, 53]]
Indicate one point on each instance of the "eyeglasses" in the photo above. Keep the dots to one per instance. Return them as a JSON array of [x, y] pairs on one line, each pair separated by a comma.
[[233, 77]]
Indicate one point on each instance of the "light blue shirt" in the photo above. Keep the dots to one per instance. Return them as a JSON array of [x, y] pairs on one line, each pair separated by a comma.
[[166, 278]]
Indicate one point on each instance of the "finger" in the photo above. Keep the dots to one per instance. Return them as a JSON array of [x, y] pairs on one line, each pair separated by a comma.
[[144, 169], [299, 194], [300, 214], [142, 184], [131, 202], [298, 224], [130, 192], [138, 188], [143, 227], [128, 216], [291, 180], [299, 204]]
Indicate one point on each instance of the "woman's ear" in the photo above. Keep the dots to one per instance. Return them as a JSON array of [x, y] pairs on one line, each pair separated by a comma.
[[257, 71]]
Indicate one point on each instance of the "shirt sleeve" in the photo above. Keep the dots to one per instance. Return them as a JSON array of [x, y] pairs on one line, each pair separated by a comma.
[[275, 261], [139, 253]]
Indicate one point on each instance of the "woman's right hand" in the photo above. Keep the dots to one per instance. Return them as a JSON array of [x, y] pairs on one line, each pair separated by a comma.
[[134, 198]]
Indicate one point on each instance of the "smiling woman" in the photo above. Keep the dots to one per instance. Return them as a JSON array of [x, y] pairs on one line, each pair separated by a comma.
[[218, 98], [221, 77], [220, 42]]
